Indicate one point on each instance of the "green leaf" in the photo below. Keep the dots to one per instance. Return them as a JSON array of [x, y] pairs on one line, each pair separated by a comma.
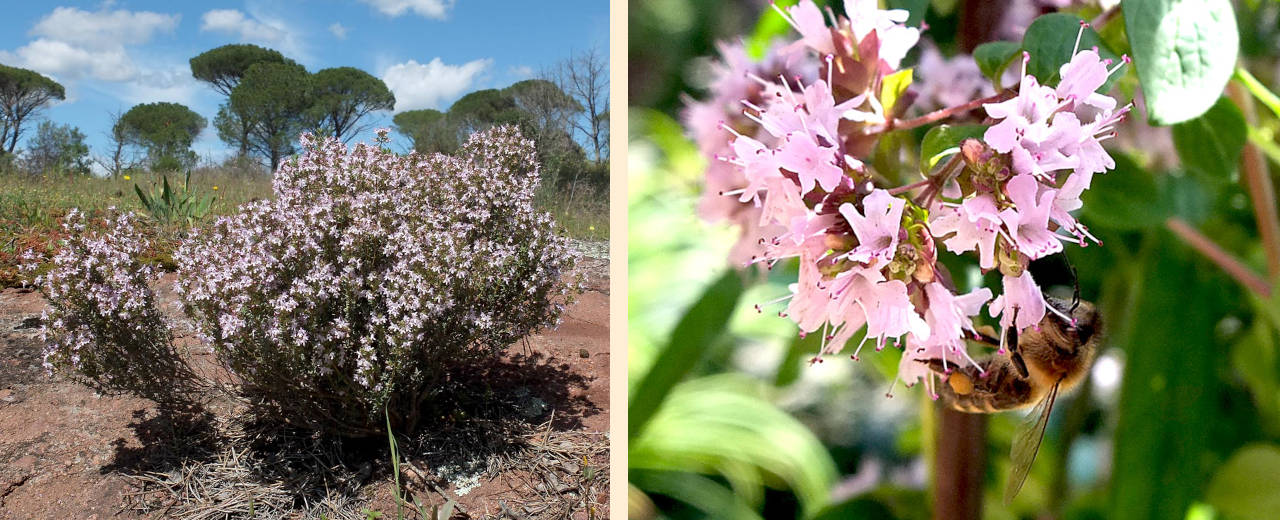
[[770, 26], [720, 422], [704, 494], [1248, 485], [1185, 52], [892, 87], [692, 336], [1050, 41], [1171, 396], [1212, 142], [1255, 358], [943, 141], [994, 57], [1125, 198]]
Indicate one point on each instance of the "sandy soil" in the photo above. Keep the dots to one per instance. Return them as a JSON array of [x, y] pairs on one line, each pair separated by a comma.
[[67, 452]]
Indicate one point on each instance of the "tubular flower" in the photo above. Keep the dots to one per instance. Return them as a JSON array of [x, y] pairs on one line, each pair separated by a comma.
[[792, 168]]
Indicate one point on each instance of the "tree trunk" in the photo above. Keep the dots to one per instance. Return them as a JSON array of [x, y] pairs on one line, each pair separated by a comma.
[[960, 463]]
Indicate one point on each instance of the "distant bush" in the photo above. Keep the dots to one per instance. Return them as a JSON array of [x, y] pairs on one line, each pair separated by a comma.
[[58, 149], [102, 326], [370, 274]]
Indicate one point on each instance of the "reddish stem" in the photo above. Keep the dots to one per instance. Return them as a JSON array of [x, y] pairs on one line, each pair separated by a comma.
[[1257, 182], [903, 189], [940, 114], [1217, 255]]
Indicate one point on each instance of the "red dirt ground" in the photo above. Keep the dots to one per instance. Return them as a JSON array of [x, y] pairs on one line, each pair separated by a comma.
[[62, 445]]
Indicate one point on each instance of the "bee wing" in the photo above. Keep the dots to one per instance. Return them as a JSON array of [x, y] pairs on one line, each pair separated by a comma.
[[1026, 443]]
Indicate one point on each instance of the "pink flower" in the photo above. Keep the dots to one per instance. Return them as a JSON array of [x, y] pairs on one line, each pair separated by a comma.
[[895, 38], [1022, 297], [807, 20], [949, 315], [1082, 77], [972, 225], [891, 313], [1028, 220], [877, 231], [812, 163]]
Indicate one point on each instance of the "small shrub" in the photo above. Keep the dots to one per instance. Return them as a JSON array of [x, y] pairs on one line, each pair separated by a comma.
[[102, 326], [352, 292]]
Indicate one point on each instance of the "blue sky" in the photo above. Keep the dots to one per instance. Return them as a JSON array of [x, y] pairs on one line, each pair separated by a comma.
[[111, 55]]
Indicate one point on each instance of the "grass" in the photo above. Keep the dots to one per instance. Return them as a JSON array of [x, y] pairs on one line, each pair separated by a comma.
[[583, 213], [32, 208]]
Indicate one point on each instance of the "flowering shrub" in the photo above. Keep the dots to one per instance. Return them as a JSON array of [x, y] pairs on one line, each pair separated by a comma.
[[102, 326], [792, 137], [371, 273]]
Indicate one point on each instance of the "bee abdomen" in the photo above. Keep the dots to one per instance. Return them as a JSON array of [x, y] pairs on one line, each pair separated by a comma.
[[998, 387]]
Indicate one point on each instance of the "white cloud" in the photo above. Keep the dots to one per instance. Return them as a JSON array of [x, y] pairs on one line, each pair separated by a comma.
[[418, 85], [103, 28], [73, 44], [70, 62], [174, 85], [258, 28], [338, 31], [521, 71], [235, 22], [436, 9]]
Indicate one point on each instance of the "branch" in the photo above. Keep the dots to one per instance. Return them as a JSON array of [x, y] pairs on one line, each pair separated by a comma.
[[1257, 182], [938, 115], [1217, 255]]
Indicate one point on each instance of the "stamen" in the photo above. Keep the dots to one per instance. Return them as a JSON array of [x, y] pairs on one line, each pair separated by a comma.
[[1079, 33], [829, 58]]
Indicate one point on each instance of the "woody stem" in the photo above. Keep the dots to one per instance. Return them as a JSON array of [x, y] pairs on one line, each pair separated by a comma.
[[944, 113]]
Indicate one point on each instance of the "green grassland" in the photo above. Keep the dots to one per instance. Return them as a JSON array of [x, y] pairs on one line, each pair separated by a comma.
[[32, 208]]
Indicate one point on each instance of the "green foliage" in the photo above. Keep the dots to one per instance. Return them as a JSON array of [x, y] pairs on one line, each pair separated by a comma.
[[1171, 394], [1248, 484], [165, 130], [1185, 52], [1212, 142], [342, 96], [994, 57], [1050, 40], [22, 94], [58, 149], [169, 206], [225, 66], [725, 425], [428, 129], [700, 326], [1131, 200], [274, 98], [944, 140]]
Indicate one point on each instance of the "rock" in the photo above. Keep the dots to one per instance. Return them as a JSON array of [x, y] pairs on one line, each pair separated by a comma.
[[30, 322], [583, 353]]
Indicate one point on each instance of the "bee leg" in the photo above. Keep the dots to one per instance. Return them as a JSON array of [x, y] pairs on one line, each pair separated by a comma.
[[1015, 354]]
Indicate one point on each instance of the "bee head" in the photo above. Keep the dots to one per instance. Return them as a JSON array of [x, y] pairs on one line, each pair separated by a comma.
[[1085, 322]]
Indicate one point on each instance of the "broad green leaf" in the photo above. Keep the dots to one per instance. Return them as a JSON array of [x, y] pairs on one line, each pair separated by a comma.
[[1185, 51], [916, 9], [1255, 358], [994, 57], [1212, 142], [704, 494], [693, 335], [725, 421], [943, 141], [1050, 40], [892, 87], [1248, 485], [1170, 394], [1125, 198]]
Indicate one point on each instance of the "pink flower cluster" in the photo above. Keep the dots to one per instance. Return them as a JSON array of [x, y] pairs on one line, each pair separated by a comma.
[[371, 273], [789, 163], [102, 325]]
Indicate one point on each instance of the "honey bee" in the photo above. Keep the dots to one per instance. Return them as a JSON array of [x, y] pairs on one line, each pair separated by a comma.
[[1043, 361]]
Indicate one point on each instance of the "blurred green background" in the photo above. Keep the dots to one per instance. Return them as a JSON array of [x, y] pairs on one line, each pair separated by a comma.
[[1180, 417]]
